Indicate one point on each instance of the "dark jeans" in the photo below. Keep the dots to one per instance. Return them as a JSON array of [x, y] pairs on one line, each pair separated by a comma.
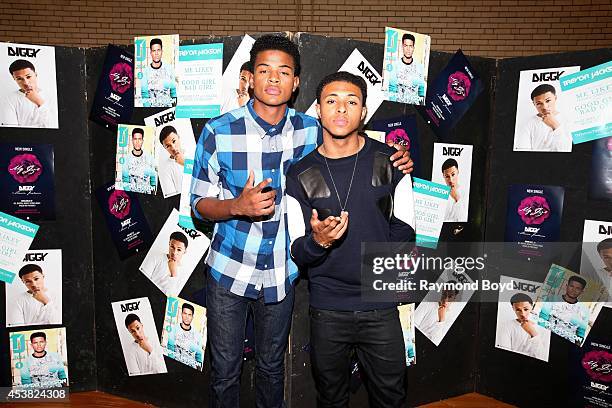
[[227, 314], [376, 336]]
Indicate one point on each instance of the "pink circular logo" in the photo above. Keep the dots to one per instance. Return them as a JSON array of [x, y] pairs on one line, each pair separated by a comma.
[[400, 137], [119, 204], [598, 365], [458, 86], [534, 210], [121, 77], [25, 168]]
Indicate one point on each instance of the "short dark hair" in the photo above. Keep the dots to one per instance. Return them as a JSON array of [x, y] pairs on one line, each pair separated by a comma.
[[156, 41], [138, 130], [578, 279], [38, 334], [448, 163], [521, 297], [605, 244], [542, 89], [247, 66], [20, 64], [188, 306], [408, 37], [179, 236], [29, 268], [165, 132], [131, 318], [343, 76], [279, 43]]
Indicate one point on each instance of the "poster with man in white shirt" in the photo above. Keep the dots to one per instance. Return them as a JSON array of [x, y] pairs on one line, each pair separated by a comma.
[[36, 297], [28, 86], [452, 165]]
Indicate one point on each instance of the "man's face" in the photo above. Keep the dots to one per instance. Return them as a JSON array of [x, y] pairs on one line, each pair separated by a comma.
[[137, 140], [156, 53], [243, 81], [186, 316], [606, 257], [34, 281], [136, 329], [273, 81], [574, 289], [341, 109], [39, 344], [26, 79], [451, 176], [522, 310], [408, 48], [172, 144], [546, 103], [176, 250]]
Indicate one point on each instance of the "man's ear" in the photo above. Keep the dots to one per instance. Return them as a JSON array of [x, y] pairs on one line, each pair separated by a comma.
[[318, 109], [296, 83], [364, 112]]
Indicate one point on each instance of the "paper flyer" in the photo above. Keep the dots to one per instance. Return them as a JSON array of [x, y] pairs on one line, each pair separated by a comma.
[[184, 332], [452, 166], [596, 259], [600, 180], [16, 235], [590, 369], [402, 130], [235, 80], [406, 316], [136, 167], [155, 66], [430, 201], [185, 214], [27, 185]]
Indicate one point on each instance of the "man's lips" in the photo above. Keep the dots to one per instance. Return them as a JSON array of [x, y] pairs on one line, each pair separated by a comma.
[[272, 90], [340, 121]]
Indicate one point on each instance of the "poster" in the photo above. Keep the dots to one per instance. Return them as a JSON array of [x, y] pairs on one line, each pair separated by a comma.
[[35, 297], [568, 304], [517, 327], [27, 181], [406, 316], [405, 66], [533, 218], [439, 309], [114, 99], [542, 112], [138, 336], [402, 130], [174, 255], [175, 145], [185, 214], [452, 166], [591, 374], [39, 358], [199, 87], [28, 86], [430, 201], [588, 93], [235, 80], [16, 235], [136, 167], [124, 219], [452, 93], [155, 66], [184, 332], [357, 64], [596, 259], [600, 180]]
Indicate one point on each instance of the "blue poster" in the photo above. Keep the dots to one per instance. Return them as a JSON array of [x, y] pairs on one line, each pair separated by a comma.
[[600, 182], [114, 100], [402, 130], [451, 94], [591, 374], [26, 181], [533, 217], [125, 220]]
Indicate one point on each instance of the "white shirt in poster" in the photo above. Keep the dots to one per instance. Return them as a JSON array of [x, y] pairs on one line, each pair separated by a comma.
[[170, 177], [541, 137], [17, 110], [160, 274], [140, 362], [28, 310], [426, 320], [513, 337], [455, 210]]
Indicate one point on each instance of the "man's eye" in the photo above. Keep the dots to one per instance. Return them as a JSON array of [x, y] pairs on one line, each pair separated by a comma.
[[352, 103], [330, 101]]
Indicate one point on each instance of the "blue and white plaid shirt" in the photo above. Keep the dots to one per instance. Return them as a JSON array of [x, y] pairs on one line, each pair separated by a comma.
[[246, 256]]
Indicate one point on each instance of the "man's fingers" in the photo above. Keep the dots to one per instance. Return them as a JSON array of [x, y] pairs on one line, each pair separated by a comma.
[[270, 195], [250, 180], [263, 184]]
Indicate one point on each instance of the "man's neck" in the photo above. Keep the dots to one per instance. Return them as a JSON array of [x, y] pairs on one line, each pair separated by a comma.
[[40, 354], [137, 153], [571, 300], [407, 60], [156, 64], [185, 327], [336, 148], [270, 114]]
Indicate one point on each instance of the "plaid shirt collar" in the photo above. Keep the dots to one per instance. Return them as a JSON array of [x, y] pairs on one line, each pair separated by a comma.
[[264, 128]]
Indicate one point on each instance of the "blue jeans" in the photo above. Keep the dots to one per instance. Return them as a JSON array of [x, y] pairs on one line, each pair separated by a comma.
[[227, 314]]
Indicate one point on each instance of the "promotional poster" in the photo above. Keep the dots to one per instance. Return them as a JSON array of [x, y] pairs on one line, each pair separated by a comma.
[[452, 93], [402, 130], [591, 374], [138, 336], [596, 260], [185, 216], [155, 67], [357, 64], [542, 112], [406, 315], [235, 80], [199, 88], [39, 358], [438, 311], [452, 165], [136, 167], [406, 62], [27, 181], [588, 93], [533, 218], [114, 99], [430, 201], [517, 325], [125, 220], [184, 332], [174, 255], [16, 235], [560, 306], [28, 86], [35, 296], [600, 181]]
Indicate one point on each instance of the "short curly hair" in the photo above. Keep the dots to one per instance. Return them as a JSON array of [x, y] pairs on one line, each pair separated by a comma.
[[280, 43]]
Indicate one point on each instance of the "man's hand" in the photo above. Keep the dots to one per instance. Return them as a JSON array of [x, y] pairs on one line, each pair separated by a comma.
[[252, 202], [442, 309], [145, 345], [34, 97], [529, 327], [550, 121], [41, 297], [454, 193], [326, 232], [172, 267], [179, 158], [401, 159]]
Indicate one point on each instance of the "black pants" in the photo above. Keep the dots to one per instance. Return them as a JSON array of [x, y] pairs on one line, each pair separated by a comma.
[[376, 336]]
